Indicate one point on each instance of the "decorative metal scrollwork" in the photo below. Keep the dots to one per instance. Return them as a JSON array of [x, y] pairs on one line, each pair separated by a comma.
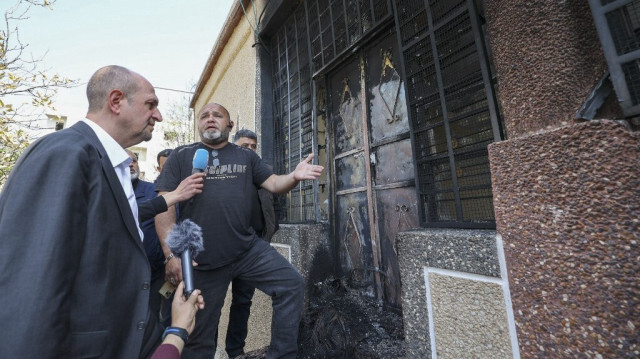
[[387, 63], [345, 107], [352, 260], [403, 211], [345, 90]]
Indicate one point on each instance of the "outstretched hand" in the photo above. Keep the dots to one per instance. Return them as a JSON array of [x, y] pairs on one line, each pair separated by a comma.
[[284, 183], [307, 171]]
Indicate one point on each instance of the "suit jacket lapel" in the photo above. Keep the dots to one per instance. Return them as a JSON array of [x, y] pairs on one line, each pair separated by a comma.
[[113, 181]]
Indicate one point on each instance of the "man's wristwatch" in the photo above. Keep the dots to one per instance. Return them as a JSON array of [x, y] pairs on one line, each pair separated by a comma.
[[166, 260], [182, 333]]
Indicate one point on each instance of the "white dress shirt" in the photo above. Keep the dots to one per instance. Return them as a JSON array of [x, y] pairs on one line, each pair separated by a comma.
[[120, 161]]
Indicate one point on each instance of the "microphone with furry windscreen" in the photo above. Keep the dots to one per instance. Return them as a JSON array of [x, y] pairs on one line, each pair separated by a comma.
[[185, 240]]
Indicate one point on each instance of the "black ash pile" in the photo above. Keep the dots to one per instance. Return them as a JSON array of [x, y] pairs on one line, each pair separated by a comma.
[[340, 323]]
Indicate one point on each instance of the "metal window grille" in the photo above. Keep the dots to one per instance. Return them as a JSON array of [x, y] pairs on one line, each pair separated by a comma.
[[316, 33], [618, 24], [335, 25], [453, 112], [294, 138]]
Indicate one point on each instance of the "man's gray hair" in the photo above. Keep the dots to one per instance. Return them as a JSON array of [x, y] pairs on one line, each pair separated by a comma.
[[109, 78], [245, 133]]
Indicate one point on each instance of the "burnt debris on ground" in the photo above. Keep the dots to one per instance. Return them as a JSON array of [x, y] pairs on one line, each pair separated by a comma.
[[339, 322]]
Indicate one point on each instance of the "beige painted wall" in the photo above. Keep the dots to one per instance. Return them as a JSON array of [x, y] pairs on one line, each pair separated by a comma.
[[233, 85], [233, 81]]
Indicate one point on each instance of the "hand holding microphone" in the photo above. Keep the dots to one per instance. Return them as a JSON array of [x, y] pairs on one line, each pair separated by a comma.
[[200, 162], [187, 189], [185, 241]]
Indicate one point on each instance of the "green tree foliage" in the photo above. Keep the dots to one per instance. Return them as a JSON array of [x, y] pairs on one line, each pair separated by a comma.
[[26, 90], [178, 123]]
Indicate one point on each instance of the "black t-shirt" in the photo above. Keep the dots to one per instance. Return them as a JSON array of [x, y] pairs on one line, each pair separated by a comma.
[[228, 199]]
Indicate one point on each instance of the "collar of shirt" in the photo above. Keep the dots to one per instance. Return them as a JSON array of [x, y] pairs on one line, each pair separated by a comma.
[[120, 161], [116, 153]]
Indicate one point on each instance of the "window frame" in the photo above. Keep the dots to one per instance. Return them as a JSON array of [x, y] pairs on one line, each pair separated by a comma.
[[615, 61]]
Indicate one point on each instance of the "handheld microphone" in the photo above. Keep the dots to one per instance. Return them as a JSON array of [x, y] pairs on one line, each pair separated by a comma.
[[200, 161], [185, 240]]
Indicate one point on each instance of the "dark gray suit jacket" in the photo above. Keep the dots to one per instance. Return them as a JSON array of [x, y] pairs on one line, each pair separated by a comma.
[[74, 275]]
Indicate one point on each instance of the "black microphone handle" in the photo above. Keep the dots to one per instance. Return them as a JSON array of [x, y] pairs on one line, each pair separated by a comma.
[[187, 272]]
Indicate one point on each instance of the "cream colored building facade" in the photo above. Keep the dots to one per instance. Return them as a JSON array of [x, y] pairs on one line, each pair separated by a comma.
[[229, 79]]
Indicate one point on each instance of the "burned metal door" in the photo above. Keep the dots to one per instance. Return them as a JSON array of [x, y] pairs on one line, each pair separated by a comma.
[[372, 168]]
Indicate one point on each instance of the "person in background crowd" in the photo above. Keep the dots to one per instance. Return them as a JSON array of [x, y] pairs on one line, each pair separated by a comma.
[[145, 191], [162, 158]]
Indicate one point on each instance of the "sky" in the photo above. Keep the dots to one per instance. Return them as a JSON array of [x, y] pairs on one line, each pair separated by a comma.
[[168, 42]]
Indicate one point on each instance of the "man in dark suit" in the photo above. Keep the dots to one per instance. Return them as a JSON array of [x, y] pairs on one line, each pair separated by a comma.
[[73, 270]]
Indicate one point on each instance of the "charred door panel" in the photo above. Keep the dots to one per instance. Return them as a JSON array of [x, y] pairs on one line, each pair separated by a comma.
[[391, 159], [393, 162], [373, 167], [397, 211], [388, 109], [350, 171], [348, 115], [350, 167], [355, 241]]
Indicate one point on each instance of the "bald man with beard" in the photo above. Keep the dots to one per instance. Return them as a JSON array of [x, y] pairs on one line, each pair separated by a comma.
[[232, 248]]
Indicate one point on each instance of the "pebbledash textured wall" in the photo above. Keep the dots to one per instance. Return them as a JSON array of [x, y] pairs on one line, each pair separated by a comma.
[[547, 57], [567, 205], [566, 193]]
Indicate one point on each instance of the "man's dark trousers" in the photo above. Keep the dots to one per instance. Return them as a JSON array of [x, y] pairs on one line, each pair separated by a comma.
[[261, 267], [238, 317]]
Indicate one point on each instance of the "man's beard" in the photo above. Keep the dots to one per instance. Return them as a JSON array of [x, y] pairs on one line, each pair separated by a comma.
[[214, 137], [146, 136], [135, 175]]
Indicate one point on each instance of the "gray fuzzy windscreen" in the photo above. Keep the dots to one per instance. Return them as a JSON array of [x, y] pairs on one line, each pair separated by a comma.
[[183, 235]]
